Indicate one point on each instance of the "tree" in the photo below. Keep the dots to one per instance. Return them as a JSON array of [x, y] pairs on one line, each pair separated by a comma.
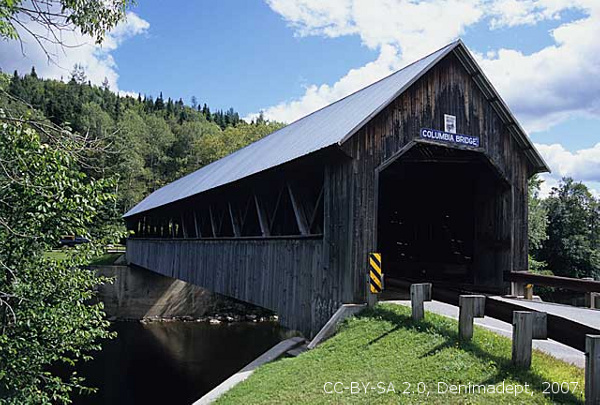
[[538, 223], [46, 317], [157, 141], [78, 74], [52, 18], [573, 245], [127, 160]]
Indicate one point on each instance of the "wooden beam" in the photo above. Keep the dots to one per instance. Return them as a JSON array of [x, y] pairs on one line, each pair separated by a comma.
[[315, 210], [567, 283], [272, 221], [183, 228], [262, 218], [213, 223], [244, 216], [235, 224], [298, 212], [196, 227]]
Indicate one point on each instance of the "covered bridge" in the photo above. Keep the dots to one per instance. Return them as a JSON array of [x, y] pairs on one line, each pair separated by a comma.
[[427, 166]]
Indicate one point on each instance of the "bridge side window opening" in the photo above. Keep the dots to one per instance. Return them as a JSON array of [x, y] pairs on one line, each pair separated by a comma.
[[286, 205]]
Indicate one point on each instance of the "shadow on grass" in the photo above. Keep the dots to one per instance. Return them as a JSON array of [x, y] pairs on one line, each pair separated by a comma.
[[505, 369]]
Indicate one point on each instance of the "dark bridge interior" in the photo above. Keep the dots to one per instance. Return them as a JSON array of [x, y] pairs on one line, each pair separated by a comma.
[[431, 218]]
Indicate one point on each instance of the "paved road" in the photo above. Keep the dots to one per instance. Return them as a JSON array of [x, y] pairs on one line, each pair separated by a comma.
[[549, 346]]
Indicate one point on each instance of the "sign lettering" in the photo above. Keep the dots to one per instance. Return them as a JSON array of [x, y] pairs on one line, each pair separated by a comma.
[[448, 137]]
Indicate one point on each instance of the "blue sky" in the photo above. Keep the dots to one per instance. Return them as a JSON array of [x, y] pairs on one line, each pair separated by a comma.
[[229, 54], [290, 57]]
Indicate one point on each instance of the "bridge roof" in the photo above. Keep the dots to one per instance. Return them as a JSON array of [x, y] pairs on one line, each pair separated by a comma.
[[331, 125]]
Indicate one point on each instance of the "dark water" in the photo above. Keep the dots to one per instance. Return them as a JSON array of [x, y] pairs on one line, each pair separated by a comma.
[[174, 362]]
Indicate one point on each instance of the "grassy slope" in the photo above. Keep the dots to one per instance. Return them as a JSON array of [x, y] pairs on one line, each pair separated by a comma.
[[383, 344]]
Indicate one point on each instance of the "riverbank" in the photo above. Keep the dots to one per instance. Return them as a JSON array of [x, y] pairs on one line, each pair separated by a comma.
[[408, 362], [137, 294]]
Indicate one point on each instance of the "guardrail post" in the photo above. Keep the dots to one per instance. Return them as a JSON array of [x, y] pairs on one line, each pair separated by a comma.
[[418, 294], [522, 338], [540, 325], [592, 369], [592, 299], [470, 306], [517, 289], [595, 300]]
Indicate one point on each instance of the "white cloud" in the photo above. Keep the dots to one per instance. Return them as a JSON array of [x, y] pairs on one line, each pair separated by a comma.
[[401, 30], [582, 165], [556, 83], [96, 60], [316, 97], [510, 13], [542, 88]]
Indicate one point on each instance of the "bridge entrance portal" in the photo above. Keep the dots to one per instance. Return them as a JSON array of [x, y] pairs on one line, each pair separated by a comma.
[[436, 217]]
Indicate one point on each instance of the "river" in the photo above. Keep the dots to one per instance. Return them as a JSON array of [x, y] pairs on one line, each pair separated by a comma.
[[172, 362]]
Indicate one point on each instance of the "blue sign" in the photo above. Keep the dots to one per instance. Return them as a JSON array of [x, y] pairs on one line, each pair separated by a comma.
[[448, 137]]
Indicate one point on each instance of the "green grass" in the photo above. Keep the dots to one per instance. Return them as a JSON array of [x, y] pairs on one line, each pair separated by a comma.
[[56, 254], [105, 259], [384, 345]]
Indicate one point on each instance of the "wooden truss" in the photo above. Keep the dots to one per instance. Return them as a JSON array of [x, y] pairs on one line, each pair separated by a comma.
[[294, 209]]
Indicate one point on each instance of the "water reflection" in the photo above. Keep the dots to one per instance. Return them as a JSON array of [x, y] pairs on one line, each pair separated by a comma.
[[172, 362]]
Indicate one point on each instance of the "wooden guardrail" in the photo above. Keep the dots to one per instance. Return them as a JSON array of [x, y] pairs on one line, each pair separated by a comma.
[[574, 284]]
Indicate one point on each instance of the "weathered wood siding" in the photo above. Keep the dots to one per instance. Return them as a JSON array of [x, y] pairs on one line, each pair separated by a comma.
[[445, 89], [278, 274], [305, 280]]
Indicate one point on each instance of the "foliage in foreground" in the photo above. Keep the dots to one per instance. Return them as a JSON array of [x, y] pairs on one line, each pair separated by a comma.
[[384, 345], [46, 318]]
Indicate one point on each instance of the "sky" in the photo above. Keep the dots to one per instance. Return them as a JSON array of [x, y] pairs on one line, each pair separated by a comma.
[[288, 58]]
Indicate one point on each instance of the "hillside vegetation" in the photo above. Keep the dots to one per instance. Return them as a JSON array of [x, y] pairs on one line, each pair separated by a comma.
[[146, 142]]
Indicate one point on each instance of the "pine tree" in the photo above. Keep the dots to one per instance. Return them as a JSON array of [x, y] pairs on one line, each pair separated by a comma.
[[78, 74], [170, 108], [159, 104]]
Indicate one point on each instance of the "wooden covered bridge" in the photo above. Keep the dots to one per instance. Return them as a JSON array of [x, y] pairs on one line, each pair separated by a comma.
[[427, 166]]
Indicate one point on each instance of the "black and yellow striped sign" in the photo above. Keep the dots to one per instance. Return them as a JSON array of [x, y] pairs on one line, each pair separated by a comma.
[[375, 273]]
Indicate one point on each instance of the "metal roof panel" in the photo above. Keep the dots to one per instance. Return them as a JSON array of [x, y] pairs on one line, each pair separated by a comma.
[[325, 127]]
